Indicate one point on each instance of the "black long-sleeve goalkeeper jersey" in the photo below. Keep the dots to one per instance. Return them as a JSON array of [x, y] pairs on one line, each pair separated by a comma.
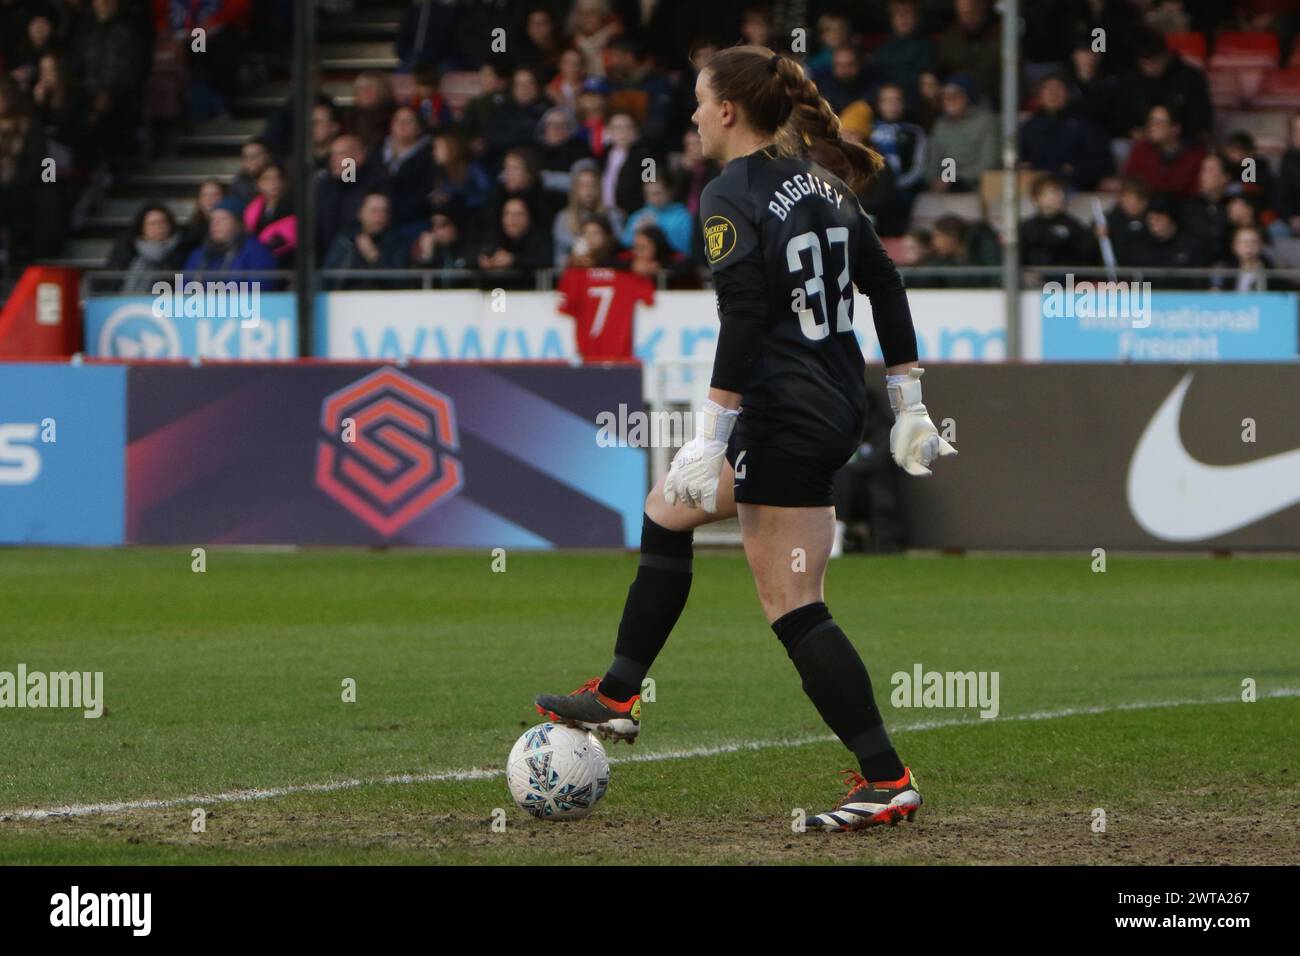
[[786, 241]]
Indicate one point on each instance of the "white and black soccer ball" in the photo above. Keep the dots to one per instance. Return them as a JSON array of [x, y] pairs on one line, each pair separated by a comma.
[[556, 772]]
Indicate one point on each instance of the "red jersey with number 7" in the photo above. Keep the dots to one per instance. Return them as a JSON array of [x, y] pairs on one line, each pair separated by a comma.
[[602, 303]]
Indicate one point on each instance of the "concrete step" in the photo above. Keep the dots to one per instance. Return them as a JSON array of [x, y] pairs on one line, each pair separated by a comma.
[[354, 55], [81, 253], [224, 133], [189, 171], [117, 213]]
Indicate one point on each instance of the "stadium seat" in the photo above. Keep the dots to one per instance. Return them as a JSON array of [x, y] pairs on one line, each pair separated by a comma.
[[1225, 89], [1269, 127], [1286, 253], [931, 206], [893, 246], [1079, 205], [459, 87], [1280, 89], [1245, 49], [1190, 46]]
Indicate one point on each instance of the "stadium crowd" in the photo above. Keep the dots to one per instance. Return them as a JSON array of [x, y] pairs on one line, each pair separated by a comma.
[[543, 165]]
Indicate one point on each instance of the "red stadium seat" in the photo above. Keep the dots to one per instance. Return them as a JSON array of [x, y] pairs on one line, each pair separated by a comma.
[[1190, 46], [1225, 89], [1245, 49], [1279, 90]]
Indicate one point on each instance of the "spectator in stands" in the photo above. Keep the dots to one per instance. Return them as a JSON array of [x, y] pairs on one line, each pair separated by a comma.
[[152, 249], [1205, 215], [340, 190], [625, 162], [369, 242], [1251, 261], [693, 171], [516, 244], [566, 85], [1052, 237], [515, 124], [228, 250], [560, 147], [457, 177], [114, 60], [429, 104], [908, 52], [592, 27], [441, 246], [521, 179], [756, 26], [1243, 214], [254, 156], [1126, 222], [955, 242], [663, 210], [325, 128], [964, 142], [915, 248], [479, 111], [427, 34], [1165, 246], [593, 115], [33, 211], [903, 145], [195, 230], [1251, 174], [1163, 159], [848, 79], [215, 66], [637, 88], [594, 247], [407, 161], [1096, 92], [973, 45], [929, 102], [1163, 78], [1288, 184], [59, 106], [270, 218], [651, 255], [38, 41], [1060, 139], [372, 113], [542, 42], [585, 203], [833, 31]]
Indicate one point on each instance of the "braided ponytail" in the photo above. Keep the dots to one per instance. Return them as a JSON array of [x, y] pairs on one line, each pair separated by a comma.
[[779, 98], [814, 126]]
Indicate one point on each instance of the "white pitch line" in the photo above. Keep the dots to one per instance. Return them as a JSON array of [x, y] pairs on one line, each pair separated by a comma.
[[452, 776]]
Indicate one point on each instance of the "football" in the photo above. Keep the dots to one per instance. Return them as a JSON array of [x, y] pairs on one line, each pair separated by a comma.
[[556, 772]]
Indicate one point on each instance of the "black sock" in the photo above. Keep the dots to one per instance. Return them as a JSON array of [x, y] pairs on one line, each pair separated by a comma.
[[836, 681], [654, 603]]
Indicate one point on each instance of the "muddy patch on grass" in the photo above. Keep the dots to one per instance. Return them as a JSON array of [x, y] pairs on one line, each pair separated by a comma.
[[1160, 835]]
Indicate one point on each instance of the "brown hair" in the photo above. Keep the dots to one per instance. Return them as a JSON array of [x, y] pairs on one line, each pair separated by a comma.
[[778, 97]]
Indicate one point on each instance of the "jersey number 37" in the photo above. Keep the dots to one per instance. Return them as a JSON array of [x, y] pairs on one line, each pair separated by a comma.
[[815, 323]]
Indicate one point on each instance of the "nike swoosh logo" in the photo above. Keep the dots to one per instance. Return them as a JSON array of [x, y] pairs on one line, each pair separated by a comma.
[[1177, 498]]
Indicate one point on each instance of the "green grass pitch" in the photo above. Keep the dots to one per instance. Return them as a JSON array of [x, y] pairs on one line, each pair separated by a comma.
[[1120, 692]]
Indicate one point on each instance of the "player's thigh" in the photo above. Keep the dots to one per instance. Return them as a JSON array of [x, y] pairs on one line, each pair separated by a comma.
[[681, 517], [787, 550]]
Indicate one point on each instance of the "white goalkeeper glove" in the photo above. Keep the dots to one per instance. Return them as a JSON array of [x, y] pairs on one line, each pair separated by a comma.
[[913, 441], [693, 476]]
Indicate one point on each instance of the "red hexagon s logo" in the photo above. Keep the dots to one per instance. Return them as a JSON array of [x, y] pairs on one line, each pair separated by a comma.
[[399, 462]]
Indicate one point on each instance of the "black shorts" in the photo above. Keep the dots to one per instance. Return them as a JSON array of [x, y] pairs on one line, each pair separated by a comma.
[[786, 474]]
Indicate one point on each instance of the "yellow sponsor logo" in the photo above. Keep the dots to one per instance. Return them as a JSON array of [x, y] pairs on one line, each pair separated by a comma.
[[636, 710], [719, 237]]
